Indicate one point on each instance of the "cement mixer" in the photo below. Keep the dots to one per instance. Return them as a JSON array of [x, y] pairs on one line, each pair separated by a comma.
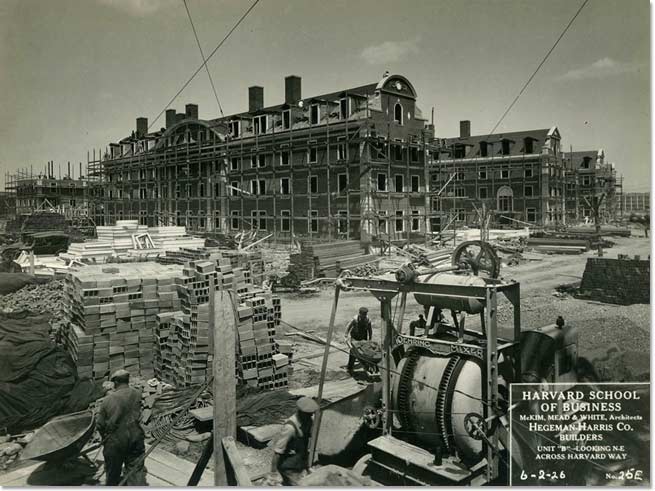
[[442, 414]]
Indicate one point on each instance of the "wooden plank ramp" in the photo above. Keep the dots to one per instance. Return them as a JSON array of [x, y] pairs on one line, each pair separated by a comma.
[[332, 391], [164, 470]]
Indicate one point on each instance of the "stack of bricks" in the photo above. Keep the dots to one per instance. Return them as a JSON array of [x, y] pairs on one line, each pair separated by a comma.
[[112, 312], [250, 263], [183, 354], [181, 339], [622, 281], [259, 314]]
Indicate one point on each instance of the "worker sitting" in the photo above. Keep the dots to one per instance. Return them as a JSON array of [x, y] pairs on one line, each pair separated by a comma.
[[418, 323], [359, 329], [291, 446], [123, 438]]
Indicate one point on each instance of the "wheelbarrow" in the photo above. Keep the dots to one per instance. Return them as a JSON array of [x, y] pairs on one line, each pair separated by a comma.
[[368, 353], [62, 438]]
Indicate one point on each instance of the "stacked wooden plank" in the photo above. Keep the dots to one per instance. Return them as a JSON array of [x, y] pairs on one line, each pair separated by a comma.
[[327, 260], [558, 246], [112, 312], [174, 238], [604, 230], [120, 235], [93, 251], [119, 240], [425, 256]]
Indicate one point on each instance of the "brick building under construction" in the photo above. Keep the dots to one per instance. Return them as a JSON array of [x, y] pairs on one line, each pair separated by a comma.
[[350, 164], [520, 175]]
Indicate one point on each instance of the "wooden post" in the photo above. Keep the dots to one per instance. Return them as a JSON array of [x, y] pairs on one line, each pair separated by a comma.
[[386, 364], [317, 418], [237, 474], [222, 323], [32, 262]]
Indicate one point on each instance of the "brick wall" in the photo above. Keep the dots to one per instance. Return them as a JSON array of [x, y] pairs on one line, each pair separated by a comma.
[[619, 281]]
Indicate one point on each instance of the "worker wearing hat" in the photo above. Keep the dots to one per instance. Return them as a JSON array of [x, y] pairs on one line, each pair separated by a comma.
[[291, 446], [123, 438], [359, 329]]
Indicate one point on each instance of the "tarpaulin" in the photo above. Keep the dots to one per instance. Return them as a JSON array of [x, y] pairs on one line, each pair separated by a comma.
[[38, 380]]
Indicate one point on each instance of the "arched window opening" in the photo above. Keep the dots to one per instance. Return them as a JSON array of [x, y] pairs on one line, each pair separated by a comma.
[[505, 197], [398, 113]]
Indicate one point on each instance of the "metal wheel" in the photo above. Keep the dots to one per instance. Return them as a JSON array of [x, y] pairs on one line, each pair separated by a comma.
[[477, 257]]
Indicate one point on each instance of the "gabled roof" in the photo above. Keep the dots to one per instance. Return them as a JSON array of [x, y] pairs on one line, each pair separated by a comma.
[[575, 160], [518, 138]]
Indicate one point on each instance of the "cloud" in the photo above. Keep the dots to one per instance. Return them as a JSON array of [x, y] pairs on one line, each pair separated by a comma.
[[137, 8], [389, 51], [603, 68]]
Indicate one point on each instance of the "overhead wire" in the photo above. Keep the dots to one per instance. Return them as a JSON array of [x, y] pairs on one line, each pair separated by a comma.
[[202, 55], [534, 73], [204, 63]]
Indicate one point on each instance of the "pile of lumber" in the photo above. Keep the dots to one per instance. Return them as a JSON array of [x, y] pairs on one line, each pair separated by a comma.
[[553, 245], [92, 251], [327, 260], [426, 256], [128, 238], [120, 235], [174, 238], [112, 312], [183, 352], [604, 230]]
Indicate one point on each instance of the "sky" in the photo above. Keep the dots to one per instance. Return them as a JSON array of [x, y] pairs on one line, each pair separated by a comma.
[[75, 74]]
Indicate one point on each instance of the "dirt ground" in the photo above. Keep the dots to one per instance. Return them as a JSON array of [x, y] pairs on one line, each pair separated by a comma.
[[601, 327], [615, 338]]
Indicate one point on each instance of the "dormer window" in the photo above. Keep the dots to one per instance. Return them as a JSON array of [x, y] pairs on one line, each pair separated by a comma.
[[314, 114], [398, 113], [505, 147], [286, 119], [344, 109], [528, 143], [586, 163], [235, 128], [483, 149], [259, 124]]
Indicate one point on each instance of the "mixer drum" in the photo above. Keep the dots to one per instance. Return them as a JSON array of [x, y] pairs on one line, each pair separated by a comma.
[[439, 418], [453, 302]]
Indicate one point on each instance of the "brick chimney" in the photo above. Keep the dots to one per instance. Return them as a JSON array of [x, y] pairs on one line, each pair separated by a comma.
[[141, 127], [292, 89], [170, 117], [191, 111], [255, 98], [464, 129]]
